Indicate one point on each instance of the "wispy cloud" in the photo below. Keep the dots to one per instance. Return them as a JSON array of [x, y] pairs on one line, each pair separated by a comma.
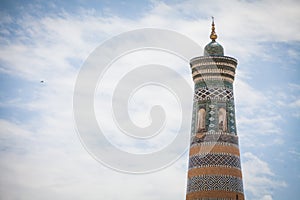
[[43, 158], [260, 181]]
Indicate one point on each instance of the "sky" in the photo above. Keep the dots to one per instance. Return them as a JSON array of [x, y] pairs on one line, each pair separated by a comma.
[[44, 49]]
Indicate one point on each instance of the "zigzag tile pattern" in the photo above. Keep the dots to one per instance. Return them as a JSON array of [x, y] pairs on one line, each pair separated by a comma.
[[215, 182], [219, 159]]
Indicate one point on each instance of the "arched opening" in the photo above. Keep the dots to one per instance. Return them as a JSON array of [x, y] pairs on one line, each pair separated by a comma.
[[201, 120], [222, 120]]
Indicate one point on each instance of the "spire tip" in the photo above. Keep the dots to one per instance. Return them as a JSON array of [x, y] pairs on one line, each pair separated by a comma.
[[213, 34]]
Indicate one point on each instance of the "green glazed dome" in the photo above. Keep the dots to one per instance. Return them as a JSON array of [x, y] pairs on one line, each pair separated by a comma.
[[213, 49]]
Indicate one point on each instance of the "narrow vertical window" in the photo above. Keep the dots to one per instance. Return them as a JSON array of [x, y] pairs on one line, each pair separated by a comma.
[[201, 120], [222, 120]]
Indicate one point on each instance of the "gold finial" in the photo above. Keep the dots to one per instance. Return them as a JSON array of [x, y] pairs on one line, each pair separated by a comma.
[[213, 34]]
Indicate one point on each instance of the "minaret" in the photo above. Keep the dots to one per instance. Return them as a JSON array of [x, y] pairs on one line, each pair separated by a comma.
[[214, 157]]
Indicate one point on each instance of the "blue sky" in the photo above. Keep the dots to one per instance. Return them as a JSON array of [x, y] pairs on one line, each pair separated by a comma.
[[41, 154]]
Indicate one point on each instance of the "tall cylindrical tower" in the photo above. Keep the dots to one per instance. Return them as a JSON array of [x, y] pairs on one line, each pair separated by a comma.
[[214, 158]]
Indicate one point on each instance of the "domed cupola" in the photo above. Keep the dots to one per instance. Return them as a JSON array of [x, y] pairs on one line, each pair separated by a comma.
[[213, 48]]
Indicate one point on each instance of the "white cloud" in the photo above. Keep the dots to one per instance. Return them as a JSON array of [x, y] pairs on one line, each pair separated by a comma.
[[295, 104], [55, 38], [258, 116], [295, 153], [56, 167], [259, 180], [267, 197], [46, 155]]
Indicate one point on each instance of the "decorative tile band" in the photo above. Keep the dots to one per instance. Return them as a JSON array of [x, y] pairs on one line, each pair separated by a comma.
[[212, 60], [215, 183], [213, 93], [212, 195], [213, 83], [214, 199], [213, 71], [215, 138], [214, 149], [214, 160], [213, 64], [217, 78], [214, 143], [217, 133], [215, 171]]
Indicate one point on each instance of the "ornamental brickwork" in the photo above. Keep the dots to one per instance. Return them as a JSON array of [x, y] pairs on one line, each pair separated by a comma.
[[214, 171], [214, 160]]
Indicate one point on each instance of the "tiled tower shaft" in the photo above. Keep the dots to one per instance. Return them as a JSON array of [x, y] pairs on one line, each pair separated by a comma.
[[214, 158]]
